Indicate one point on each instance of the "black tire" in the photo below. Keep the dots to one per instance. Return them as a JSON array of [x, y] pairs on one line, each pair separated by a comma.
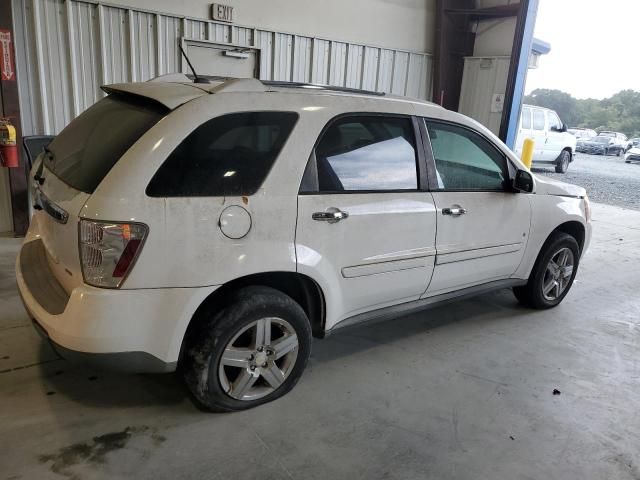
[[531, 294], [618, 152], [562, 163], [207, 341]]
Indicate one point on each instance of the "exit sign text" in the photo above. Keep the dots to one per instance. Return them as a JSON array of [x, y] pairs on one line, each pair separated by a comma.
[[222, 13]]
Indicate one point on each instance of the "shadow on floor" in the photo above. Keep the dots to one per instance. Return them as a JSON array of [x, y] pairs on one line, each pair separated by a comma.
[[111, 390]]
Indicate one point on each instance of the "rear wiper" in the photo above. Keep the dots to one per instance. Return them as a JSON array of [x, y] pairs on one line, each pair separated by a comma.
[[38, 176]]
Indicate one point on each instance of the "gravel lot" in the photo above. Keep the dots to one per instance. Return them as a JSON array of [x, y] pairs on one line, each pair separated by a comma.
[[607, 179]]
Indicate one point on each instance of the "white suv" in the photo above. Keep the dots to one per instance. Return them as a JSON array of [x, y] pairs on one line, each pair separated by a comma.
[[553, 144], [220, 226]]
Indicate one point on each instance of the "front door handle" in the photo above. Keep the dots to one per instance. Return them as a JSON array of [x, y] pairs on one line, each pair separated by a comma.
[[454, 211], [331, 215]]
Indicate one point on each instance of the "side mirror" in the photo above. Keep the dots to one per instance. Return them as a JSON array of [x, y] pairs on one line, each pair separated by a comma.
[[523, 182]]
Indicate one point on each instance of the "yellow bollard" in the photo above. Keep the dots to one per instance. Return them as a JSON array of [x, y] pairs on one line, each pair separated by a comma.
[[527, 152]]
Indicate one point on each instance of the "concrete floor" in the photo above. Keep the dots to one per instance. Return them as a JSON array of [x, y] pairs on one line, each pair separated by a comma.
[[459, 392]]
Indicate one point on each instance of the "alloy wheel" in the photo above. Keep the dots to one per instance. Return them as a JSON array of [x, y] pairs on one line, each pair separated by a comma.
[[258, 359], [558, 274]]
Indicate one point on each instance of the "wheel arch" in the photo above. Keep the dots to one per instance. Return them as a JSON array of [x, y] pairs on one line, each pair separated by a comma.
[[301, 288], [568, 149], [573, 228]]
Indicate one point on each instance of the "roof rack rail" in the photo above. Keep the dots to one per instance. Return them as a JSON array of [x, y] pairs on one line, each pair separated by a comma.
[[318, 86]]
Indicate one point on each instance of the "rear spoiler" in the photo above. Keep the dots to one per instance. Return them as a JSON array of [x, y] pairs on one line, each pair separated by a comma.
[[171, 95]]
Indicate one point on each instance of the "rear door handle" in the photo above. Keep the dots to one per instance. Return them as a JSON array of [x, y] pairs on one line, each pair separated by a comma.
[[331, 215], [454, 211]]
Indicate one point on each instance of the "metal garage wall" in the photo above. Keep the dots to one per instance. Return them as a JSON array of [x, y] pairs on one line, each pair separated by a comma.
[[67, 49], [483, 77]]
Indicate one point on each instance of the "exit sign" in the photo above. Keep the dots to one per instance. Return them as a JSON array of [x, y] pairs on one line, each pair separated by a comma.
[[222, 13]]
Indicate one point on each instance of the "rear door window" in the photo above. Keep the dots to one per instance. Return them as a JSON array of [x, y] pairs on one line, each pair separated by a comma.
[[229, 155], [365, 153], [88, 148]]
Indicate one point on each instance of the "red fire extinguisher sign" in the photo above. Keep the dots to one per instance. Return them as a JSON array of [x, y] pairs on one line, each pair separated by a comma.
[[7, 67]]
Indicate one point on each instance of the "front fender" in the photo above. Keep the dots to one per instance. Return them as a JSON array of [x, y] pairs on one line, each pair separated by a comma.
[[548, 212]]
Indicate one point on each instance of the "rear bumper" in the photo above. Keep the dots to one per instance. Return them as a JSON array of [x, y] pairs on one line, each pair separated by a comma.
[[132, 362], [137, 330]]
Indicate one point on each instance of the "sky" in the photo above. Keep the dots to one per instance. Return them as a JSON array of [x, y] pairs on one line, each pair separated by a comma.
[[595, 47]]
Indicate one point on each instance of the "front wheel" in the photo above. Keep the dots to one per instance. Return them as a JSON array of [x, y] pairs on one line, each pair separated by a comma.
[[251, 352], [562, 164], [553, 273]]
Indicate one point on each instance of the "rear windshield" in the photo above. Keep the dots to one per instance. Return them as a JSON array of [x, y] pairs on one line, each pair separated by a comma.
[[602, 139], [84, 152]]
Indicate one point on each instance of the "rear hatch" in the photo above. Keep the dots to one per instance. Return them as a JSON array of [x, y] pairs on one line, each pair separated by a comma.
[[73, 166]]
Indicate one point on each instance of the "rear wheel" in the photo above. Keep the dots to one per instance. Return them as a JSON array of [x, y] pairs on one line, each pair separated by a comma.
[[251, 352], [553, 273], [618, 152], [562, 163]]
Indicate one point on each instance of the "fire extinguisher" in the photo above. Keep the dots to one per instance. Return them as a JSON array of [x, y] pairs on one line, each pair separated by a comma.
[[8, 145]]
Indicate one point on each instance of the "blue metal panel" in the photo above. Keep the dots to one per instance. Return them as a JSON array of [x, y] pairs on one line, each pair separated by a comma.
[[521, 74]]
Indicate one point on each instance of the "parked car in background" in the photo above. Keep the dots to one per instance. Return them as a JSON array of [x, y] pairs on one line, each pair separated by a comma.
[[219, 232], [553, 144], [582, 132], [633, 155], [582, 135], [620, 141], [633, 142], [599, 146]]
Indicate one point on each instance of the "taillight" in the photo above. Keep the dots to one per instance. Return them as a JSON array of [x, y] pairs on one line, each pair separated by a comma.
[[108, 250]]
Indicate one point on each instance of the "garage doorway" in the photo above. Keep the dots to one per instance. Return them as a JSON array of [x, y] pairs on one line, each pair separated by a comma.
[[222, 60]]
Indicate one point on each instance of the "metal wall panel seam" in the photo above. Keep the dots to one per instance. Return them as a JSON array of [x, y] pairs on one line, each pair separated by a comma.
[[159, 46], [74, 57], [40, 59], [132, 43], [63, 62], [103, 45]]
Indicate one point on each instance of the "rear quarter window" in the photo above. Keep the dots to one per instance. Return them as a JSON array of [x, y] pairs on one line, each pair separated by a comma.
[[230, 155]]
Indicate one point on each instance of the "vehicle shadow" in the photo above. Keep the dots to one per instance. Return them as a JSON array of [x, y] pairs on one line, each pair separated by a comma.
[[99, 388], [490, 308], [96, 388]]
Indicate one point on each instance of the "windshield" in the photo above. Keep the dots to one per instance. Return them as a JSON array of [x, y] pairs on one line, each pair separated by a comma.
[[607, 134], [602, 139], [86, 150]]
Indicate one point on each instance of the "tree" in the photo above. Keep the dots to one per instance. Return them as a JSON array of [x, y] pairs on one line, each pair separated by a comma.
[[619, 113], [563, 103]]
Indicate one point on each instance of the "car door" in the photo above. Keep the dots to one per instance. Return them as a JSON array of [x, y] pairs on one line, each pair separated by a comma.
[[555, 137], [482, 225], [539, 135], [366, 222], [525, 130]]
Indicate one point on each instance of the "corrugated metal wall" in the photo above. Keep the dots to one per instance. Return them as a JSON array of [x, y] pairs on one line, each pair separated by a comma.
[[482, 78], [67, 49]]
